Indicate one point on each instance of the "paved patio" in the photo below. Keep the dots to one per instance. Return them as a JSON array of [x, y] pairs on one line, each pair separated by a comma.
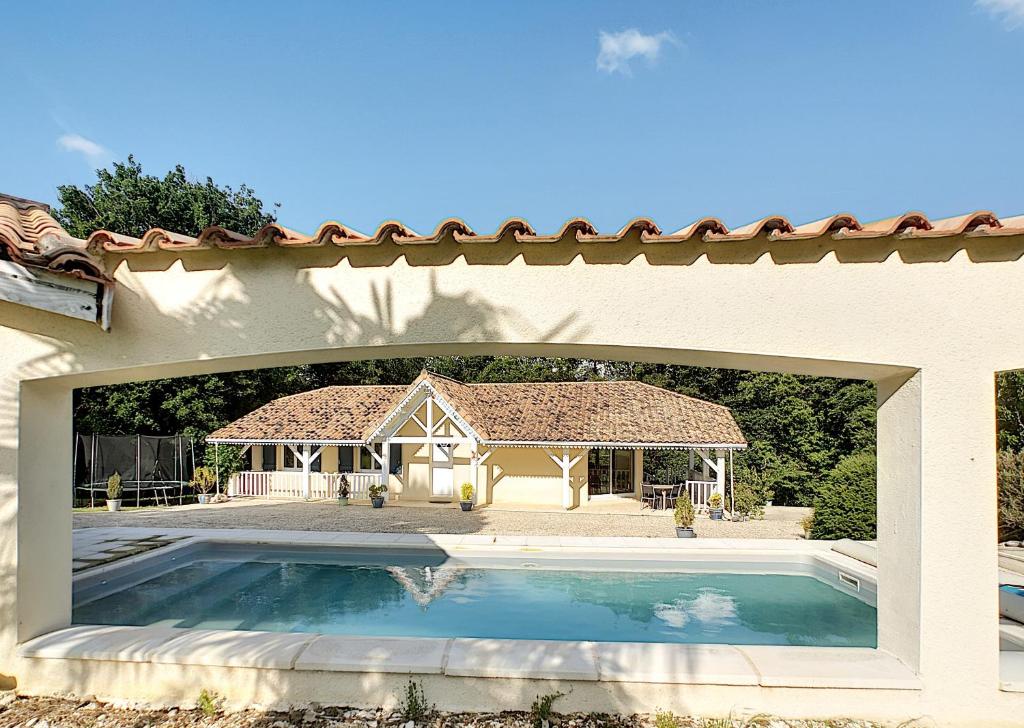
[[593, 520]]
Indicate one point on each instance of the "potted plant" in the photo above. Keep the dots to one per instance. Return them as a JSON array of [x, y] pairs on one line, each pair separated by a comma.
[[114, 489], [466, 491], [684, 518], [377, 491], [204, 479], [343, 490], [715, 506]]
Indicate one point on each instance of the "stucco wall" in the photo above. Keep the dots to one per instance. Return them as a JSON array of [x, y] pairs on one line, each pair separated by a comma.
[[932, 320]]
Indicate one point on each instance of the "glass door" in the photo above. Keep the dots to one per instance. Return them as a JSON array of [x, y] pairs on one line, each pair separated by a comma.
[[598, 473], [622, 472], [610, 472]]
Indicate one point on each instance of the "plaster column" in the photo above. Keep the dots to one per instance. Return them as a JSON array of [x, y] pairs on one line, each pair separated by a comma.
[[720, 474], [937, 565]]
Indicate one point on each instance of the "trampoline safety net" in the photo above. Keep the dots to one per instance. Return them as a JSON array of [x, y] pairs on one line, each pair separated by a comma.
[[152, 467]]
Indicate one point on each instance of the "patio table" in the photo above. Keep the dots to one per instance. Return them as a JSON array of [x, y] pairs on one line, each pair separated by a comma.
[[664, 490]]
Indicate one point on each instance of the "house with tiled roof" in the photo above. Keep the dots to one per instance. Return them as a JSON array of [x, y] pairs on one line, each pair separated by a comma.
[[545, 443]]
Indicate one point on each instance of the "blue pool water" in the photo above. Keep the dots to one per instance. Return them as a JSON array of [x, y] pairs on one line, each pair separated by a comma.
[[425, 594]]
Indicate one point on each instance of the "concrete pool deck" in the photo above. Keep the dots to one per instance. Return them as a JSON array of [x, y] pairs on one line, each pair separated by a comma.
[[599, 519]]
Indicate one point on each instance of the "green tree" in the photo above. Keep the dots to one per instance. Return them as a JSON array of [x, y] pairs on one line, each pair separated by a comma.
[[1010, 410], [126, 200], [846, 506]]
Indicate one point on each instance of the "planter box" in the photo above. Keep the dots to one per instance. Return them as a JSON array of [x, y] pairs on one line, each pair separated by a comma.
[[466, 505], [204, 498], [685, 532], [114, 505], [716, 514], [342, 501], [377, 502]]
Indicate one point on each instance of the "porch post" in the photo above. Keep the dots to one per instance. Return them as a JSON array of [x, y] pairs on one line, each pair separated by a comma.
[[566, 485], [385, 466], [305, 471], [720, 474], [474, 475]]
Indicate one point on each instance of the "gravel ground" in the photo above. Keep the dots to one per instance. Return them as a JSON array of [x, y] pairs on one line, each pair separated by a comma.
[[65, 713], [328, 516]]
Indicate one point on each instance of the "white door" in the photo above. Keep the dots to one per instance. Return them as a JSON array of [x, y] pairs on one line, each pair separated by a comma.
[[442, 474]]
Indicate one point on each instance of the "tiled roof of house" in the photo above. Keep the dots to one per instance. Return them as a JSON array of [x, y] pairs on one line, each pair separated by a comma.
[[546, 412], [29, 235], [330, 413]]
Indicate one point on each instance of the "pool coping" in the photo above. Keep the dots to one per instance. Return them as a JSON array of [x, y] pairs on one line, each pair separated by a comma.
[[607, 662]]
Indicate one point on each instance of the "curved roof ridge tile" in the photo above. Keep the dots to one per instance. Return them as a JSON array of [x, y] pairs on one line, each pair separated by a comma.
[[273, 233], [698, 228], [511, 226], [576, 225], [391, 230], [769, 224], [834, 224], [891, 226], [336, 233], [450, 225], [955, 225], [644, 225]]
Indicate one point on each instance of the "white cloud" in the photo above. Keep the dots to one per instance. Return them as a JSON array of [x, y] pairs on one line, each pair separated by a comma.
[[1010, 12], [618, 49], [93, 152]]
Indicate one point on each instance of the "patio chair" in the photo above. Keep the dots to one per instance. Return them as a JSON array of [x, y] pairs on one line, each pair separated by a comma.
[[648, 496], [674, 495]]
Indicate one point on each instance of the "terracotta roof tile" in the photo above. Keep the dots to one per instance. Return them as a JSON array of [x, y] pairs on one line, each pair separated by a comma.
[[25, 227], [331, 413], [29, 235], [555, 412]]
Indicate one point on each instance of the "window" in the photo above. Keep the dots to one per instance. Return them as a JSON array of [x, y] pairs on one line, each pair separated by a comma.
[[345, 459], [366, 460], [395, 459], [269, 456], [290, 463]]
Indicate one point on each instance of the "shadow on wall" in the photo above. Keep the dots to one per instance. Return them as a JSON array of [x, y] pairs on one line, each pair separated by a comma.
[[228, 303]]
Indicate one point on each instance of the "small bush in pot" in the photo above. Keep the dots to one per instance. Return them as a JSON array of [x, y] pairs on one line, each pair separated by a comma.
[[684, 515], [343, 490], [715, 506], [114, 489], [204, 479], [377, 491], [466, 493]]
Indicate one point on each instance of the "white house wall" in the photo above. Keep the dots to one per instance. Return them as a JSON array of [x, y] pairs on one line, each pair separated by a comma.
[[933, 319]]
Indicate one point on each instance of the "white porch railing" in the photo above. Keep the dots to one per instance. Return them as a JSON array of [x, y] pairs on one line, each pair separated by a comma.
[[289, 484], [700, 491]]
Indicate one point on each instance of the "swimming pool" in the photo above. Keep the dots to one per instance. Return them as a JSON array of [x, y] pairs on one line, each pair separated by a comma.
[[431, 593]]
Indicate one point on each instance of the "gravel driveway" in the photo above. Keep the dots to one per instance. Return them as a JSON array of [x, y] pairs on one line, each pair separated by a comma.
[[328, 516]]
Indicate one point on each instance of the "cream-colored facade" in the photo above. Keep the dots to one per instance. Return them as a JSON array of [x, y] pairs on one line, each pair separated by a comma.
[[931, 320]]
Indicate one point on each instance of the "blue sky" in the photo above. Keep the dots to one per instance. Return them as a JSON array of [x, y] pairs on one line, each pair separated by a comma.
[[480, 110]]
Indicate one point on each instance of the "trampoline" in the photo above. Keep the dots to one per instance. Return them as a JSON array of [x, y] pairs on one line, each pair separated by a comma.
[[158, 467]]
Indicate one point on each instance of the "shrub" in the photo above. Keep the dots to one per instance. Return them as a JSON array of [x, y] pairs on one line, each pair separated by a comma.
[[343, 489], [204, 479], [377, 490], [414, 707], [209, 702], [1010, 478], [466, 490], [114, 487], [666, 719], [225, 460], [540, 711], [715, 501], [846, 506], [684, 511], [760, 485], [745, 502], [807, 524]]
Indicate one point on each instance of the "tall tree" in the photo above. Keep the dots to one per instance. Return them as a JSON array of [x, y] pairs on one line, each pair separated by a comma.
[[126, 200]]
